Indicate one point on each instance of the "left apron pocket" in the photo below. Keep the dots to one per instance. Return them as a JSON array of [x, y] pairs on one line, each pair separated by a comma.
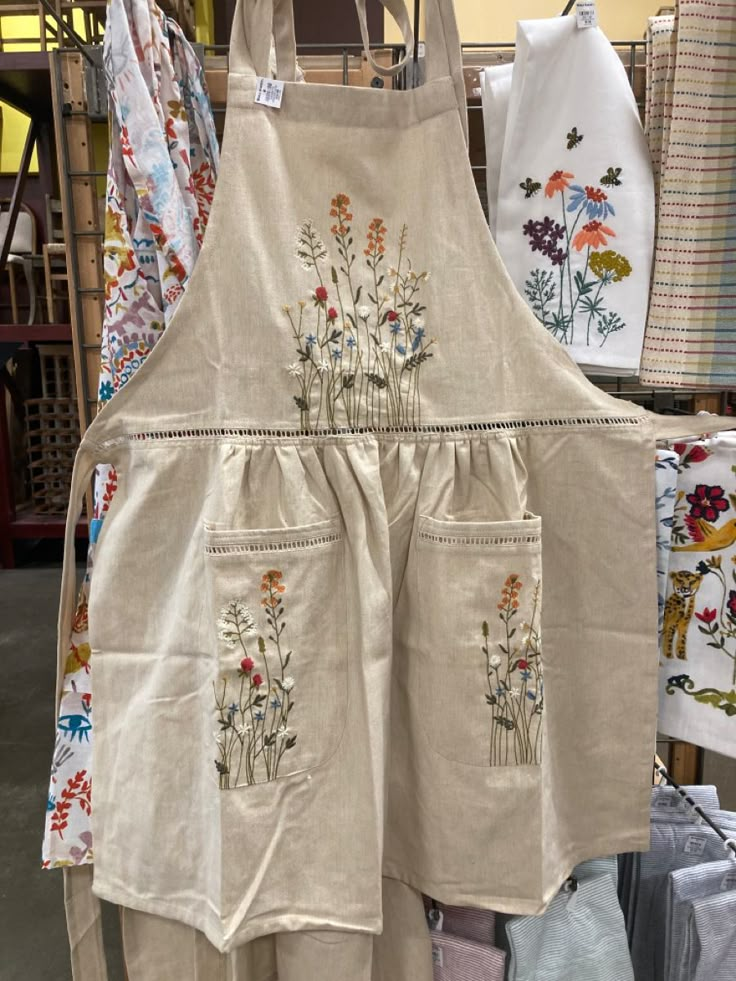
[[278, 618]]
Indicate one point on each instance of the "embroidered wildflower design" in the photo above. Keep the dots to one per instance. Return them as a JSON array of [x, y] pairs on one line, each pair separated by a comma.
[[364, 358], [569, 293], [514, 683], [254, 734]]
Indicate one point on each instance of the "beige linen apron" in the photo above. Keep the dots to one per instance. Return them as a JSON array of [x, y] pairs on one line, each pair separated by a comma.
[[334, 625]]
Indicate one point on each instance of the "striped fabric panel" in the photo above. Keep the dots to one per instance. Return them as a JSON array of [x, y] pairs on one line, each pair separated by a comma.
[[471, 924], [581, 937], [712, 953], [660, 59], [458, 959], [691, 331], [674, 846], [683, 886]]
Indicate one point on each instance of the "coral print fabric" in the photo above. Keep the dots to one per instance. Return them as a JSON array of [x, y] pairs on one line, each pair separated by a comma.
[[160, 183], [698, 648], [575, 208]]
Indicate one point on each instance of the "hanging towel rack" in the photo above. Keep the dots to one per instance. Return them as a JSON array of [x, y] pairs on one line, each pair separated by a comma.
[[728, 843]]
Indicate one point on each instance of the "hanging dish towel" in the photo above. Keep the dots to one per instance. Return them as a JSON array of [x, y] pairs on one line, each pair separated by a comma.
[[698, 651], [683, 886], [160, 183], [691, 333], [658, 106], [495, 88], [581, 936], [575, 198], [459, 959], [710, 946]]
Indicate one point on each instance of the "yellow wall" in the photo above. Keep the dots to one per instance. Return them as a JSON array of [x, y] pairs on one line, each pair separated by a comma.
[[491, 20]]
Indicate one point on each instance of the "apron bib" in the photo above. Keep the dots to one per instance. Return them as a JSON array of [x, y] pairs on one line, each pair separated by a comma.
[[333, 626]]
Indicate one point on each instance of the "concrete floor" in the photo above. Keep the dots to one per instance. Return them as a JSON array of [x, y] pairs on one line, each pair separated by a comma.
[[33, 942]]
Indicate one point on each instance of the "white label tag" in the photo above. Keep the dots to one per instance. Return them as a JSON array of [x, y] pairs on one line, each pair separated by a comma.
[[269, 92], [728, 882], [587, 15], [695, 845], [421, 49], [437, 957]]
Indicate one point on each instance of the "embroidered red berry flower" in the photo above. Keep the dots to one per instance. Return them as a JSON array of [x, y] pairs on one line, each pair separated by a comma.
[[707, 502], [523, 664], [320, 294], [332, 312], [732, 604], [246, 665], [392, 316], [256, 681]]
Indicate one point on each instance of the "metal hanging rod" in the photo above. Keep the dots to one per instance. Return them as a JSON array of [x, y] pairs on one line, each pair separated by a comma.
[[728, 843]]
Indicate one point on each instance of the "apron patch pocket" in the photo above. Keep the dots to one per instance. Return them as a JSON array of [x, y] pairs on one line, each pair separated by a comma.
[[278, 611], [477, 677]]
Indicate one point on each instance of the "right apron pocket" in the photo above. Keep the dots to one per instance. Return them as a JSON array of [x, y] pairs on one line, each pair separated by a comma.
[[477, 673], [278, 613]]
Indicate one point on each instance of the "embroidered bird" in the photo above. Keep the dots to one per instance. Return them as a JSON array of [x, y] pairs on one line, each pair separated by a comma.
[[706, 537], [78, 658]]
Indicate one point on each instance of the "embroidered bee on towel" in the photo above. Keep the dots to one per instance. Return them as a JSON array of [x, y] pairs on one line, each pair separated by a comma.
[[530, 187], [574, 138], [611, 177]]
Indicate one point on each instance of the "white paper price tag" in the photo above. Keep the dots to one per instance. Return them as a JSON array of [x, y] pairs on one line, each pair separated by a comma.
[[269, 92], [437, 959], [586, 14]]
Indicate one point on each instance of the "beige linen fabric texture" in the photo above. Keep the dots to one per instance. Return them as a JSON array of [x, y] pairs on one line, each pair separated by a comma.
[[383, 526], [157, 948]]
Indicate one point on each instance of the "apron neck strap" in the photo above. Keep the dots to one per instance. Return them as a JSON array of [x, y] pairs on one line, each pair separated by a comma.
[[444, 55], [254, 23]]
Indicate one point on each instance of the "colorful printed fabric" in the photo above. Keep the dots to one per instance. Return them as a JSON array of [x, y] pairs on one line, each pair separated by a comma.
[[575, 208], [160, 183], [698, 649], [666, 485], [691, 332]]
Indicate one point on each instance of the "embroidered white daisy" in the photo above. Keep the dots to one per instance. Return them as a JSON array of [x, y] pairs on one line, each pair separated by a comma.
[[283, 732], [495, 661], [419, 324], [234, 620], [385, 347], [296, 370], [364, 312], [323, 366], [287, 683]]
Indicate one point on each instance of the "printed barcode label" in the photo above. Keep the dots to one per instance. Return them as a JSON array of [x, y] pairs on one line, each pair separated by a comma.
[[586, 14], [695, 845], [437, 958], [269, 92]]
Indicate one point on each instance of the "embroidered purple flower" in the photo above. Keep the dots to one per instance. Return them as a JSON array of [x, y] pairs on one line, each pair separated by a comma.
[[707, 502], [543, 237], [592, 199]]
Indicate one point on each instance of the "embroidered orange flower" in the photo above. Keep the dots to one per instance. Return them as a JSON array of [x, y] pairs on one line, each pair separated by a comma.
[[558, 182], [593, 234], [340, 204], [376, 233], [510, 592]]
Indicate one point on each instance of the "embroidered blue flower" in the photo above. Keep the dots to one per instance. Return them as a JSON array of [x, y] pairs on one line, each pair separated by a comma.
[[275, 703], [232, 709], [500, 692], [396, 327], [525, 674], [311, 340], [106, 391], [418, 338], [336, 353], [401, 349], [594, 200], [350, 342], [532, 695]]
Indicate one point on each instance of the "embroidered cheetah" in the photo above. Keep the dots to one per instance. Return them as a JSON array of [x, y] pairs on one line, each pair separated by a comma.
[[678, 611]]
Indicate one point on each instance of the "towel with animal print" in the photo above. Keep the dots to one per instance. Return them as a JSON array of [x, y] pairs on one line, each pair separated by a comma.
[[697, 659]]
